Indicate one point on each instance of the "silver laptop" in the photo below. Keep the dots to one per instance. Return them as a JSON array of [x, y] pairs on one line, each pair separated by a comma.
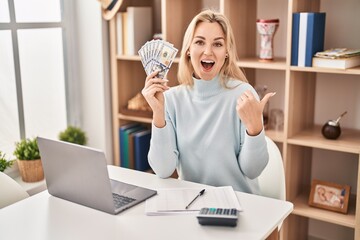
[[79, 174]]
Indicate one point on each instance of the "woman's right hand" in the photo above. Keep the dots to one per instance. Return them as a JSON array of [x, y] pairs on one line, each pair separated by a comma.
[[153, 92]]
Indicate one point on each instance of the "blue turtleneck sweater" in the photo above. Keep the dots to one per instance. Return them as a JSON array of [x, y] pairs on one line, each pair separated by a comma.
[[205, 140]]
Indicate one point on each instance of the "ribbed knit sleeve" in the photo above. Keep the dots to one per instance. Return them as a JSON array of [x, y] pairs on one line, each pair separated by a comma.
[[254, 156], [163, 154]]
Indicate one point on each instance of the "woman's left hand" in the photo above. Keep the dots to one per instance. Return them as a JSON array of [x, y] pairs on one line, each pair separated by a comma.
[[250, 110]]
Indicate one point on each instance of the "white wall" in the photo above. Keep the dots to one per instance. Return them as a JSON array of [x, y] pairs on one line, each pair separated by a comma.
[[93, 73]]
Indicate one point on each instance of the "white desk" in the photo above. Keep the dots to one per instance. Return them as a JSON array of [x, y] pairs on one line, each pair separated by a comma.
[[44, 217]]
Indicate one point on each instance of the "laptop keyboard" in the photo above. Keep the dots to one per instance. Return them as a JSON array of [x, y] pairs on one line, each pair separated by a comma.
[[121, 200]]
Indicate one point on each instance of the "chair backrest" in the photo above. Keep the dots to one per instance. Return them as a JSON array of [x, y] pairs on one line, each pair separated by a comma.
[[10, 191], [272, 179]]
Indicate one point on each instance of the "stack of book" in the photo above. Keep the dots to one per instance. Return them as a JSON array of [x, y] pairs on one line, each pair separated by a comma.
[[308, 31], [134, 146], [133, 29], [338, 58]]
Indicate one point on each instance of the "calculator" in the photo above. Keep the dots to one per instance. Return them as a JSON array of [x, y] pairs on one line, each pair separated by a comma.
[[218, 216]]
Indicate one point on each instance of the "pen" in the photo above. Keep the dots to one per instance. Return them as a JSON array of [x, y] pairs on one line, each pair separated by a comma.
[[200, 193]]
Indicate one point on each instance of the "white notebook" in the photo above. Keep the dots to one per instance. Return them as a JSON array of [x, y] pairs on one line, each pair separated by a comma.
[[174, 200]]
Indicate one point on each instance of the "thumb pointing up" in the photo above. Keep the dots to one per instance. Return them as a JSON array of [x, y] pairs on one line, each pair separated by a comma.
[[266, 99]]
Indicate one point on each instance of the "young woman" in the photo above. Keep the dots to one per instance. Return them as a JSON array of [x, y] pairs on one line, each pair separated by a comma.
[[209, 128]]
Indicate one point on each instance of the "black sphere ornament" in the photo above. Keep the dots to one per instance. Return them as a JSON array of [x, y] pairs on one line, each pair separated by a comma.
[[331, 129]]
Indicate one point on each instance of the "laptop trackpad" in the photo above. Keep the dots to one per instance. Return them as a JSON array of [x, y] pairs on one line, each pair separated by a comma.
[[125, 189]]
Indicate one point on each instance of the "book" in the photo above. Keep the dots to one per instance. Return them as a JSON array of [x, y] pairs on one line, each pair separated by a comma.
[[131, 152], [314, 36], [125, 33], [302, 39], [139, 28], [173, 201], [336, 63], [141, 150], [131, 149], [338, 53], [122, 141], [119, 34], [125, 161], [295, 39], [310, 37]]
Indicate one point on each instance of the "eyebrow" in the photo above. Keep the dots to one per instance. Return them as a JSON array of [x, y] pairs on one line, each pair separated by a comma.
[[215, 39]]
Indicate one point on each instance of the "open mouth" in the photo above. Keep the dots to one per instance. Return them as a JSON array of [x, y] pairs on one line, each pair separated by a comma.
[[207, 64]]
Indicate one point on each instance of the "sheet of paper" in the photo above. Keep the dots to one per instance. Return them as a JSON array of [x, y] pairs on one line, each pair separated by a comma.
[[174, 200]]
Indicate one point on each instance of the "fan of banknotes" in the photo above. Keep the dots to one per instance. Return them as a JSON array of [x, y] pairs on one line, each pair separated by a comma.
[[157, 55]]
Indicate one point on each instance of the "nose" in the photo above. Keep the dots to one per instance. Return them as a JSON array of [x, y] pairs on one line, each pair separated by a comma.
[[208, 50]]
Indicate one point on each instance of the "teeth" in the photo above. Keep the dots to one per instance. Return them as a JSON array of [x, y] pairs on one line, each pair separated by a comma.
[[207, 61]]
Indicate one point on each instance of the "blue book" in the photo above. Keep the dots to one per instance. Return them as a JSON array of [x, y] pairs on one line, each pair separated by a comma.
[[311, 37], [131, 155], [315, 36], [122, 130], [295, 39], [125, 161], [141, 149]]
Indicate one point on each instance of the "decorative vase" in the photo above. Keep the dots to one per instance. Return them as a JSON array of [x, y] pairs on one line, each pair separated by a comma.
[[332, 129], [31, 170], [267, 29]]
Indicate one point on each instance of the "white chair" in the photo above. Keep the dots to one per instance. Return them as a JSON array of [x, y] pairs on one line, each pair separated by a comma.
[[10, 191], [272, 179]]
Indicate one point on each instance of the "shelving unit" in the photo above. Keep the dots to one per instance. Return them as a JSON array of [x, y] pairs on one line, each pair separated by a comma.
[[297, 93]]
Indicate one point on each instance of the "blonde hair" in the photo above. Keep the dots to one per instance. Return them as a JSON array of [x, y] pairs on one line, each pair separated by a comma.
[[229, 70]]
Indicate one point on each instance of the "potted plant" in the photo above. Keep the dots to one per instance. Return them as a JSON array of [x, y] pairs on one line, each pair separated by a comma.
[[28, 159], [4, 163], [73, 135]]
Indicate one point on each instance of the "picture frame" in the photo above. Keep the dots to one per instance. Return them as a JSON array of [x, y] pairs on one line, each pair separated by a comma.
[[330, 196]]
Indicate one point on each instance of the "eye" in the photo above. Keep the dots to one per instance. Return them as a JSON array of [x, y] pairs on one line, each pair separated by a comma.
[[218, 44], [199, 42]]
